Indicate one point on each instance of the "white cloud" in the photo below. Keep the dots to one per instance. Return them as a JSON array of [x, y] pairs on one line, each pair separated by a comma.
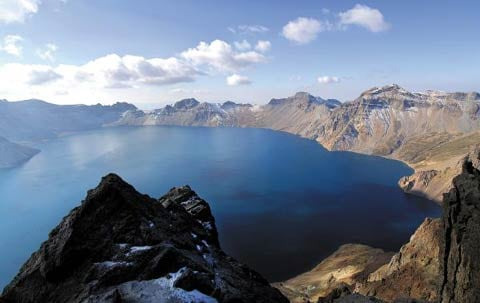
[[101, 79], [325, 11], [11, 45], [17, 10], [327, 79], [111, 71], [242, 45], [249, 29], [303, 30], [221, 56], [235, 80], [263, 46], [48, 53], [26, 75], [362, 15]]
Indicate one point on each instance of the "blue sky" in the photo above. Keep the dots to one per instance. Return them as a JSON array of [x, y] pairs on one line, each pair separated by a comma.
[[149, 52]]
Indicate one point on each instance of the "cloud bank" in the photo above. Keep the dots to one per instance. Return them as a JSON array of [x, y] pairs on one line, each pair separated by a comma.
[[12, 11], [113, 72]]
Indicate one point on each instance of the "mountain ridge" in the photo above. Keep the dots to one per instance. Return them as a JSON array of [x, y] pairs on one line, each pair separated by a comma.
[[123, 246], [386, 121]]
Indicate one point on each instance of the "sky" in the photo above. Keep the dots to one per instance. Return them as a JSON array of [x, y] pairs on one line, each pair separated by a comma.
[[153, 53]]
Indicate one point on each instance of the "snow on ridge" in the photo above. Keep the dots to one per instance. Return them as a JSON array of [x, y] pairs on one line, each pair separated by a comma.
[[161, 290], [112, 264]]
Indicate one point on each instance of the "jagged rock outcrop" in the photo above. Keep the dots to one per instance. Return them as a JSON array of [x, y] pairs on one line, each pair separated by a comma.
[[413, 272], [12, 154], [122, 246], [460, 258], [350, 264]]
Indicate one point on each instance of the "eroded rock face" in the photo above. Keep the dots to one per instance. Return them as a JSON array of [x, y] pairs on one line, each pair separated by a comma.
[[122, 246], [411, 273], [460, 258]]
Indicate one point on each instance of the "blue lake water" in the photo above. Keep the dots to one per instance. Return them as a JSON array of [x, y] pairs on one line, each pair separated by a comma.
[[282, 203]]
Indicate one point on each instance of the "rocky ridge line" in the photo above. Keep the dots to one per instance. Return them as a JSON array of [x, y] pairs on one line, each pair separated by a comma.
[[122, 246]]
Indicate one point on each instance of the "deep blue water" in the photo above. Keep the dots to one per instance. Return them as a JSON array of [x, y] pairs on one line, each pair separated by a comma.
[[282, 203]]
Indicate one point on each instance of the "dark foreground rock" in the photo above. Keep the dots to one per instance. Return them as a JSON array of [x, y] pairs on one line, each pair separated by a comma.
[[122, 246], [460, 258]]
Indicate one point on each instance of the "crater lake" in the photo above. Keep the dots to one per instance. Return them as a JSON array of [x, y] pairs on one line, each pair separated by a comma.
[[281, 203]]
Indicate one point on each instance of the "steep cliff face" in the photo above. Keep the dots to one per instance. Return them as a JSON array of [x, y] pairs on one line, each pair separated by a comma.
[[122, 246], [460, 258], [383, 119], [411, 273]]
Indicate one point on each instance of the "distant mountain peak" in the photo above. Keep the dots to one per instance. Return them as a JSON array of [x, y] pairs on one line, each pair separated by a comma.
[[302, 95], [186, 103], [391, 88]]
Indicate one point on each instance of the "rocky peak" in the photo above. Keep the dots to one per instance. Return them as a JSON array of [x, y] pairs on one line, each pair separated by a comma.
[[305, 99], [303, 96], [390, 89], [460, 259], [122, 246], [124, 106], [387, 96], [228, 105], [186, 104], [197, 207]]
